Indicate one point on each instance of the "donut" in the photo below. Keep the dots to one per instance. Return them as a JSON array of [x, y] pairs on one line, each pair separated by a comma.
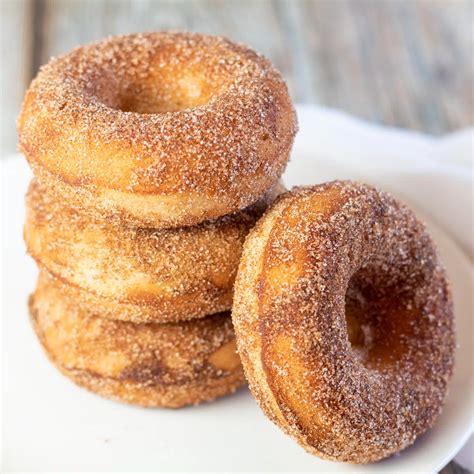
[[139, 274], [153, 365], [158, 129], [344, 321]]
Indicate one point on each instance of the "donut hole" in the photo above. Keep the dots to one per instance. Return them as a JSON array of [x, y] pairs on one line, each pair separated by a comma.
[[379, 319], [359, 323], [159, 85], [162, 94]]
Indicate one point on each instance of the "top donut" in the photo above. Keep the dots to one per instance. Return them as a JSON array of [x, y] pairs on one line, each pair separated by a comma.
[[160, 129]]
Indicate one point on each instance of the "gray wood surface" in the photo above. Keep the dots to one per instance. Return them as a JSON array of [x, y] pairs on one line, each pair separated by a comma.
[[15, 66], [406, 63]]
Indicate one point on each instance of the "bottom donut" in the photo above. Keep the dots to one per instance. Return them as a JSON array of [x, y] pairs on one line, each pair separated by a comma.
[[152, 365]]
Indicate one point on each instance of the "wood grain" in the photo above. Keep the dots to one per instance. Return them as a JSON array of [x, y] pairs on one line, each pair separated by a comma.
[[16, 27], [402, 63]]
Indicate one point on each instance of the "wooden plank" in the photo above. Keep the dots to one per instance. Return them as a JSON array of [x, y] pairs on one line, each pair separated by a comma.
[[65, 24], [400, 63], [454, 468], [15, 51], [397, 62]]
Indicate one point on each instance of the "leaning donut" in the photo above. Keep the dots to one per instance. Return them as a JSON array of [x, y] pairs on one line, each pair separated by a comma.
[[154, 365], [139, 274], [344, 321], [160, 129]]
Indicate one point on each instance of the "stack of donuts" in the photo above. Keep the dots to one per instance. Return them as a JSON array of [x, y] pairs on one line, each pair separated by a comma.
[[153, 157]]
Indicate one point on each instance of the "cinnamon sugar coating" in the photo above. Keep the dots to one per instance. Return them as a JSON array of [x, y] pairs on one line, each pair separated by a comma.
[[159, 129], [153, 365], [139, 274], [344, 321]]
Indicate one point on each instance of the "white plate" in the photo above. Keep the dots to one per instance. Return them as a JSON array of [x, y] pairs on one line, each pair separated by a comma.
[[52, 425]]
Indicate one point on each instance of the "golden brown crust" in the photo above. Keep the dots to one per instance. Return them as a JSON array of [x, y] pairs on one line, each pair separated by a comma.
[[154, 365], [344, 321], [160, 129], [137, 274]]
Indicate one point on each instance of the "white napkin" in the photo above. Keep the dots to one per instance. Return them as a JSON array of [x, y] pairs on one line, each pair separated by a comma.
[[434, 174]]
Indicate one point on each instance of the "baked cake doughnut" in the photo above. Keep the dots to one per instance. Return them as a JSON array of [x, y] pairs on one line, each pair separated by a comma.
[[139, 274], [160, 129], [154, 365], [344, 321]]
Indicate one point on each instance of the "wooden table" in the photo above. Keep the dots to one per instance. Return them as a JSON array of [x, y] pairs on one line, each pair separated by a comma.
[[406, 63], [403, 63]]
